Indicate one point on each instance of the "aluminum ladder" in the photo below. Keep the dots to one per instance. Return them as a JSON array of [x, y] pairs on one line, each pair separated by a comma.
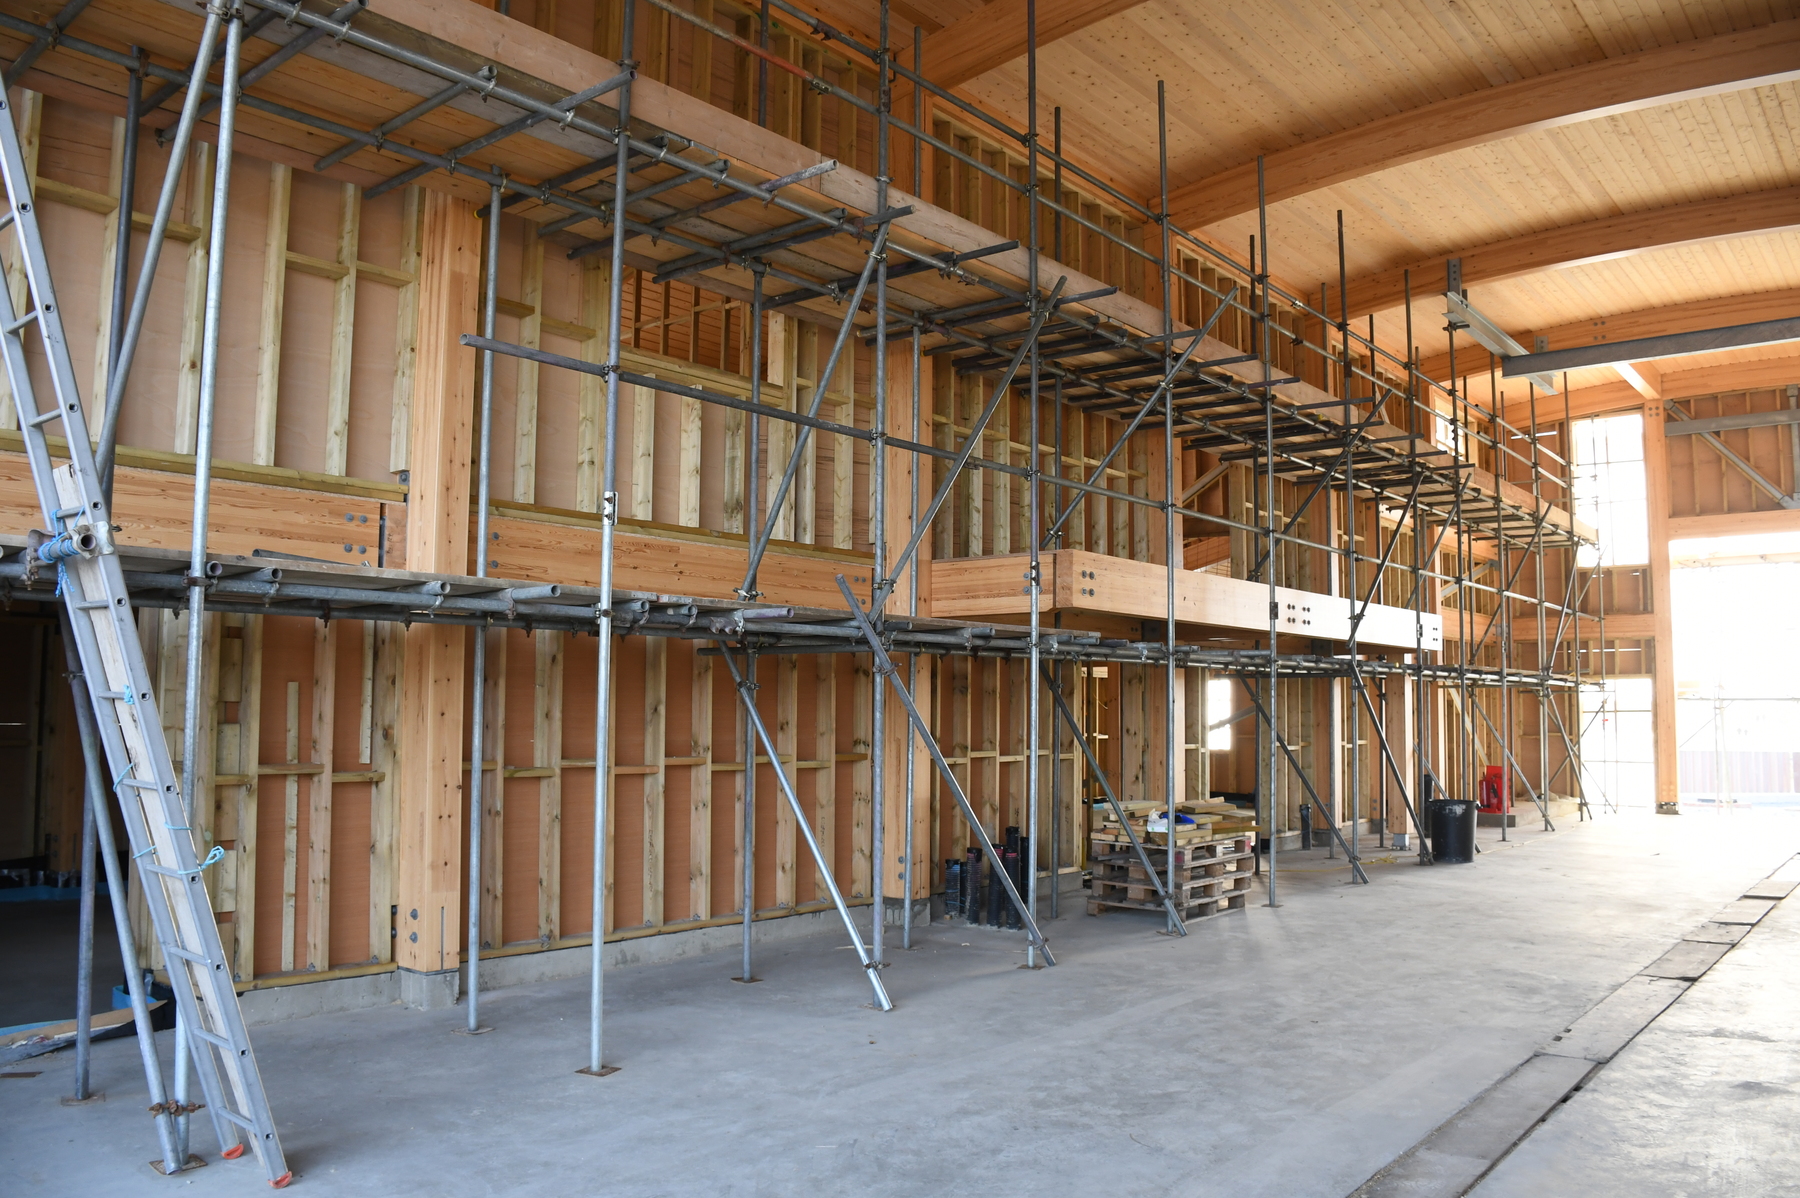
[[79, 547]]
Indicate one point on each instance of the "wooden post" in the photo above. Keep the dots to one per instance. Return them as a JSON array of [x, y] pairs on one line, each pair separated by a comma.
[[780, 391], [493, 791], [109, 268], [525, 408], [787, 716], [1662, 605], [862, 791], [643, 453], [193, 303], [656, 707], [290, 825], [384, 759], [343, 327], [689, 464], [700, 792], [546, 749], [900, 476], [590, 427], [243, 959], [318, 794], [825, 670], [406, 331], [430, 795]]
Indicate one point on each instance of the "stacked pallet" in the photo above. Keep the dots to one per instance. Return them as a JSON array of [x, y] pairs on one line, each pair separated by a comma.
[[1214, 860]]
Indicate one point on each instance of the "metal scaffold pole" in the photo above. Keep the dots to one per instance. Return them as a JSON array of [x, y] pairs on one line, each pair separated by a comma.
[[1035, 500], [880, 586], [1171, 466], [910, 851], [609, 518], [752, 474], [1273, 715], [119, 365], [206, 410], [478, 717]]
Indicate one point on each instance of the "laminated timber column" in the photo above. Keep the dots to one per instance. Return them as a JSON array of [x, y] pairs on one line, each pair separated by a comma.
[[1662, 608], [901, 471], [430, 795]]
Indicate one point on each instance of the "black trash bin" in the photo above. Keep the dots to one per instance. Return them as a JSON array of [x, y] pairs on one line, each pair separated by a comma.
[[1452, 823]]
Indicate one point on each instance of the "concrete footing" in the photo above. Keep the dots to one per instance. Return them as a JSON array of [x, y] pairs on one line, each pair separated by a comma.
[[429, 991]]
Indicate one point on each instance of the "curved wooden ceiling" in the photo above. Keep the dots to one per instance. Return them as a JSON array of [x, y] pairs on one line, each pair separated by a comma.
[[1585, 159]]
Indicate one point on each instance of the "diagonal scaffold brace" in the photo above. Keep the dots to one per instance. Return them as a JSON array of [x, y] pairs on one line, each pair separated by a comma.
[[884, 668], [748, 702], [1137, 847], [1318, 803]]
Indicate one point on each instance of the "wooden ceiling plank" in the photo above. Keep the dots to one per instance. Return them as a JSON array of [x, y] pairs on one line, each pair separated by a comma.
[[994, 35], [1588, 241], [1649, 78]]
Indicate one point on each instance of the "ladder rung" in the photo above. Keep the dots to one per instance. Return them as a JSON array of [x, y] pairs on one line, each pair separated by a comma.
[[65, 512], [107, 694], [44, 417], [95, 605], [186, 954], [238, 1119], [19, 322], [166, 872], [213, 1038], [7, 218], [140, 783]]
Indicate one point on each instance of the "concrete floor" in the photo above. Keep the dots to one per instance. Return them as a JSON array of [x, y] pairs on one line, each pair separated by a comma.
[[1704, 1101], [1287, 1052]]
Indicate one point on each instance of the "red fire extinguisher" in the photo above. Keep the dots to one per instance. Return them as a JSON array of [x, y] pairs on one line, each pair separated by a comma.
[[1492, 789]]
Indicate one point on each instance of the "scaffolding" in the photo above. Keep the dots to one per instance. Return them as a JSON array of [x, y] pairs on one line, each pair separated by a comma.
[[1397, 456]]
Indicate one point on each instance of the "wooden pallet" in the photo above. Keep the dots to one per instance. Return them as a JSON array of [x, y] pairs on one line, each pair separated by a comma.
[[1211, 877], [1110, 843], [1204, 908], [1140, 889]]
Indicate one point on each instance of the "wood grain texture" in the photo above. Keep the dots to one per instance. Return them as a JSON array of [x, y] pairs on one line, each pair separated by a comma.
[[429, 800], [1585, 242], [1610, 87]]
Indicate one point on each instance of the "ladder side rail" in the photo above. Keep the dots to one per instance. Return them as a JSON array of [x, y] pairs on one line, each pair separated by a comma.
[[48, 319], [159, 836], [95, 594], [97, 641]]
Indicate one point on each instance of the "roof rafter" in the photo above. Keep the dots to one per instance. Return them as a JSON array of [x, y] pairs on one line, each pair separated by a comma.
[[1729, 62], [994, 34], [1583, 242]]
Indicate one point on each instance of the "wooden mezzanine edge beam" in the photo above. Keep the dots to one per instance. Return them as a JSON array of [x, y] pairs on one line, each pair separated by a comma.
[[334, 523], [971, 588]]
